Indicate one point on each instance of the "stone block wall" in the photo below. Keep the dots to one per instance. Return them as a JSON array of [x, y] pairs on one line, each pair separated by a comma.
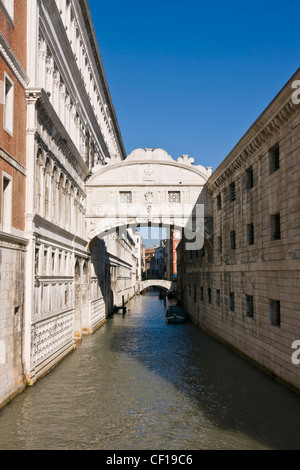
[[244, 287], [11, 300]]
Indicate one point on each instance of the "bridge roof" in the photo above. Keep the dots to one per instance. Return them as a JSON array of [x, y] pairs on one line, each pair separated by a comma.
[[183, 171]]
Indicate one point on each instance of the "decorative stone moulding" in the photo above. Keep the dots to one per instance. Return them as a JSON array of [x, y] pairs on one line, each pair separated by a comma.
[[267, 131]]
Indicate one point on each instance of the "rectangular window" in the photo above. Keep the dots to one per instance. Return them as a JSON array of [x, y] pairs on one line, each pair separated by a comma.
[[232, 240], [125, 197], [8, 104], [249, 305], [174, 197], [218, 297], [275, 227], [53, 262], [274, 312], [45, 261], [220, 244], [209, 295], [219, 202], [37, 259], [250, 234], [274, 159], [232, 195], [195, 293], [201, 293], [6, 203], [231, 301], [249, 178]]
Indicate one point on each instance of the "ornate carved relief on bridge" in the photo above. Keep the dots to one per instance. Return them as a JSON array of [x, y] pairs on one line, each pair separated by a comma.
[[149, 187]]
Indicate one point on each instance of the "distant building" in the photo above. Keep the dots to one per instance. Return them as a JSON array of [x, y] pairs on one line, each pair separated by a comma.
[[160, 260], [149, 272], [171, 254], [138, 255]]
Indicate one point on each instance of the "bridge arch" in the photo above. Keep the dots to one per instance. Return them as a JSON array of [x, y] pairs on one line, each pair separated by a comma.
[[165, 284], [148, 188]]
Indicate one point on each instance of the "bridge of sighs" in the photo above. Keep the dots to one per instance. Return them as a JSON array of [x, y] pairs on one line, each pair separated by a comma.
[[149, 188]]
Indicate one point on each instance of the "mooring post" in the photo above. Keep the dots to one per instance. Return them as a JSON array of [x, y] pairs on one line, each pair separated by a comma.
[[128, 303], [123, 305]]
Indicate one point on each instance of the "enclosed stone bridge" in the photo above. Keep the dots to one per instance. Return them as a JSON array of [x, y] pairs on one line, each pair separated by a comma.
[[149, 188], [156, 283]]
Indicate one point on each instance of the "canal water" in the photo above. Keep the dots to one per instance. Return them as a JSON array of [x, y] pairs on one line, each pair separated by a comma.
[[139, 383]]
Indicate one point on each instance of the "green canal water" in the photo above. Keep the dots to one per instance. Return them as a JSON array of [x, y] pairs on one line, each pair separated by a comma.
[[139, 383]]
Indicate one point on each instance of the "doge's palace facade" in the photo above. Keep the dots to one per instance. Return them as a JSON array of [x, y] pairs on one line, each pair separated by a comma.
[[71, 126]]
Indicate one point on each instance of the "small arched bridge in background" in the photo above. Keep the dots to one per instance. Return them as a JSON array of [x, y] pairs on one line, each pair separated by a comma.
[[156, 283]]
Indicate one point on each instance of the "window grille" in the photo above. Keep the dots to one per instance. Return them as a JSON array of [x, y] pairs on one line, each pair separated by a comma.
[[232, 240], [209, 295], [174, 197], [231, 301], [250, 234], [201, 293], [274, 312], [249, 305], [218, 297], [274, 159], [125, 197], [249, 178], [275, 233], [220, 244], [232, 193]]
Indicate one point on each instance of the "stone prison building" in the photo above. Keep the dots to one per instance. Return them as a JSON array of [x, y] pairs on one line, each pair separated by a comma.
[[243, 286]]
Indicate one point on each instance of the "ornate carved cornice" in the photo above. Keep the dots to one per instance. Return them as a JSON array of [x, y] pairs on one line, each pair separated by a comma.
[[59, 164], [268, 125], [40, 97], [97, 56]]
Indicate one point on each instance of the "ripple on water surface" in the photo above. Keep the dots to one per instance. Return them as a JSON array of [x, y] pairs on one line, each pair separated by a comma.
[[138, 383]]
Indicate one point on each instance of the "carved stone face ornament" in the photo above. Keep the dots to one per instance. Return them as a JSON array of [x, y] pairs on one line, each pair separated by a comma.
[[149, 197]]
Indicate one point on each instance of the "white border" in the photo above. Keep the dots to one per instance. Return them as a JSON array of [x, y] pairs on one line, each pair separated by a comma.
[[9, 131]]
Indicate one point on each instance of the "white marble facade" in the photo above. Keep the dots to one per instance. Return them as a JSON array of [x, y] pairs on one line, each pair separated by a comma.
[[71, 127]]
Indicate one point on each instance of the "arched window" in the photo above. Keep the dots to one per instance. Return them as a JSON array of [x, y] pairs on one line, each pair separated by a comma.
[[55, 194], [67, 205], [39, 181], [61, 202], [76, 211], [47, 185]]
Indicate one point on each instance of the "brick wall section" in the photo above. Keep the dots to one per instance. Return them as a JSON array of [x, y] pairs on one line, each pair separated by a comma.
[[267, 269], [15, 145], [15, 32], [12, 245]]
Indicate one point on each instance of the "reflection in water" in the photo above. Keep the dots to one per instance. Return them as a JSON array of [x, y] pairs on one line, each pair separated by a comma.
[[139, 383]]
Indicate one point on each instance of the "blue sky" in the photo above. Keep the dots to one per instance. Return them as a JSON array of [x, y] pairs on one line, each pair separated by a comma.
[[191, 77]]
